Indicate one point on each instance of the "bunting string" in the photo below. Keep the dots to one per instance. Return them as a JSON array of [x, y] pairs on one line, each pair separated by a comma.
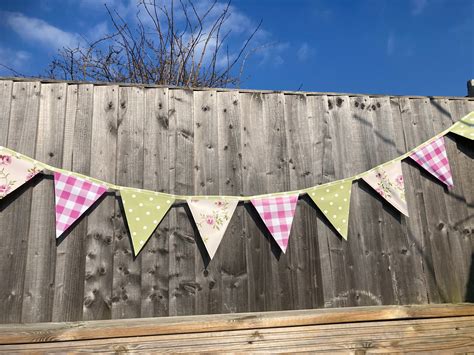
[[144, 209]]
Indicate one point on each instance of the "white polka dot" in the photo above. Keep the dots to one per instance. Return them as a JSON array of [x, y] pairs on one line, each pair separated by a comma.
[[168, 201], [343, 221], [133, 196], [313, 193], [336, 195], [134, 233], [158, 207], [147, 213], [142, 242], [137, 219], [130, 210], [322, 198], [342, 186], [155, 222], [331, 203], [140, 204], [145, 227], [326, 211], [327, 190], [334, 216], [339, 208], [151, 198], [345, 200], [338, 229]]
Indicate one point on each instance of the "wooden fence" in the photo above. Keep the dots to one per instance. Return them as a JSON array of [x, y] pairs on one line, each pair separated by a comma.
[[229, 142]]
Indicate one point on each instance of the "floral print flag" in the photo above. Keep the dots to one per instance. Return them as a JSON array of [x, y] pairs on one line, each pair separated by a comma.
[[14, 172], [334, 200], [277, 213], [434, 159], [388, 182], [144, 210], [212, 216], [465, 127]]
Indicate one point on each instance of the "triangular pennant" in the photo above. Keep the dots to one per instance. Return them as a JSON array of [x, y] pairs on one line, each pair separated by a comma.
[[434, 159], [212, 216], [334, 201], [465, 126], [144, 210], [14, 172], [277, 213], [74, 196], [388, 181]]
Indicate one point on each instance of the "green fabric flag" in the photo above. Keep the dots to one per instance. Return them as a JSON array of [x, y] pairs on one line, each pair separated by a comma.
[[144, 210], [334, 201], [465, 126]]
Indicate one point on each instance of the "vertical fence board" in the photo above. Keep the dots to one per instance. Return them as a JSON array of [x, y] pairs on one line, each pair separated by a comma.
[[40, 264], [182, 245], [6, 93], [155, 256], [233, 270], [99, 248], [21, 136]]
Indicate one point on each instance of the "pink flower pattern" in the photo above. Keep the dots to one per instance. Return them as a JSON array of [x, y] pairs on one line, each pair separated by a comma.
[[14, 172], [5, 159]]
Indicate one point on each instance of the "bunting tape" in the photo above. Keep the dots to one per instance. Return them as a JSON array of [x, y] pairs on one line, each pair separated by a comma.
[[463, 127]]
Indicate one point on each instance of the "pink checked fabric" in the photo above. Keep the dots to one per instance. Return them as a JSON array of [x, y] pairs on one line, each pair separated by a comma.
[[434, 159], [277, 213], [73, 197]]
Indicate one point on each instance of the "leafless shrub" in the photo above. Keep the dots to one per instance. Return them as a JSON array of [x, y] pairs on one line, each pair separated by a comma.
[[168, 44]]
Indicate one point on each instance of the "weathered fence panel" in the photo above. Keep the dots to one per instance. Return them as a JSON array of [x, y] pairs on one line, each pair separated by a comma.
[[220, 141]]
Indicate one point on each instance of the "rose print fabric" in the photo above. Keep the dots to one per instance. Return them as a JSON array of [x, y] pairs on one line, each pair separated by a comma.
[[388, 182], [434, 159], [334, 201], [144, 210], [212, 216], [14, 172]]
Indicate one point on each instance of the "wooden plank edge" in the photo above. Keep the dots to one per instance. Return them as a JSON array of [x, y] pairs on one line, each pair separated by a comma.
[[68, 331], [240, 90]]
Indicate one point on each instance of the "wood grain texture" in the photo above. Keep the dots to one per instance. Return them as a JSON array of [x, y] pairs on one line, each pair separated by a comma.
[[442, 328], [229, 142]]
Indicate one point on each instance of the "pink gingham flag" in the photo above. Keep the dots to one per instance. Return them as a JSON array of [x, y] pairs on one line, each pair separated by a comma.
[[73, 197], [277, 213], [434, 159]]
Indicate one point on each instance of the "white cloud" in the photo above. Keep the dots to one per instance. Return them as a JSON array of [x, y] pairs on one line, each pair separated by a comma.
[[304, 52], [391, 43], [36, 30], [418, 6]]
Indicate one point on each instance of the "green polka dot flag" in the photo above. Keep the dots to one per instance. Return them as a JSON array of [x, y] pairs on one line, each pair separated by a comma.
[[144, 210], [465, 127], [334, 201]]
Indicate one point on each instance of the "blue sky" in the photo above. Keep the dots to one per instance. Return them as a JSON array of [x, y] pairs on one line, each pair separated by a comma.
[[406, 47]]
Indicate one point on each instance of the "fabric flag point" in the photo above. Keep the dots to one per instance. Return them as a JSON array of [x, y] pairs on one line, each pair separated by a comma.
[[388, 181], [465, 126], [334, 201], [73, 197], [277, 213], [212, 217], [434, 159], [144, 210], [14, 172]]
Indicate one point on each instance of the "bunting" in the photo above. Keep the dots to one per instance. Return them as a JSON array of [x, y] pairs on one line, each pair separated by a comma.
[[465, 127], [14, 172], [277, 213], [212, 217], [73, 197], [388, 181], [433, 158], [334, 201], [144, 210]]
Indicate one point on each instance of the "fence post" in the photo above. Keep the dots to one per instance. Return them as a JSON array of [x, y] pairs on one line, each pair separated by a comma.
[[470, 88]]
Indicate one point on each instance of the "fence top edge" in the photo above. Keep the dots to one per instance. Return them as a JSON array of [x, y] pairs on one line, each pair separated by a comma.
[[238, 90]]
